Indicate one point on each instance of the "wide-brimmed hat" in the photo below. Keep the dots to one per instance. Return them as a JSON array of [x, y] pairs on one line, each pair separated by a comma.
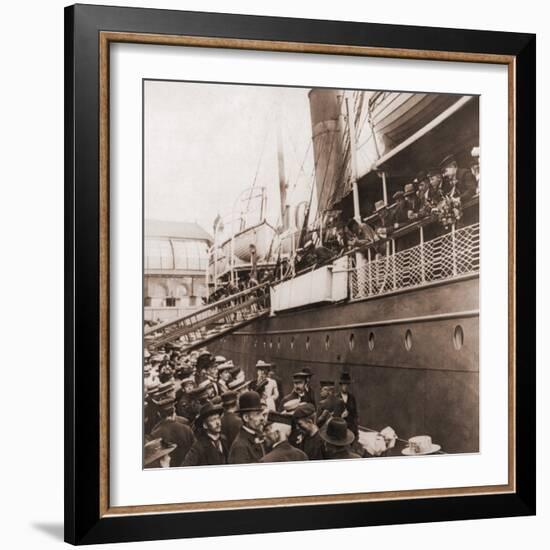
[[304, 410], [220, 359], [379, 205], [336, 432], [249, 401], [409, 189], [449, 159], [421, 445], [156, 449], [209, 409]]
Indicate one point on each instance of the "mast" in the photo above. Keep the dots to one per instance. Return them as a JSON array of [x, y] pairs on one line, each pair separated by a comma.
[[282, 177], [353, 161]]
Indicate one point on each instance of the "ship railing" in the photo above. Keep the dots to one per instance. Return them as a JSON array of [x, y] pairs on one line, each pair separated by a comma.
[[233, 309], [452, 255]]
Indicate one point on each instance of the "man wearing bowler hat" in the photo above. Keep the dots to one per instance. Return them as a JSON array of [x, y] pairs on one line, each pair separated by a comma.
[[337, 439], [248, 446], [349, 414], [210, 446], [311, 442], [400, 214], [231, 421], [277, 432]]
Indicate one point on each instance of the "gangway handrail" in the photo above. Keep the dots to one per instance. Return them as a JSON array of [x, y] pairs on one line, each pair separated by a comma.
[[223, 301]]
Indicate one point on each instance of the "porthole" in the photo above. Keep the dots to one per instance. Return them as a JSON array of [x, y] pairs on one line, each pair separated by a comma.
[[292, 343], [307, 343], [351, 341], [327, 341], [458, 337], [371, 341], [408, 340]]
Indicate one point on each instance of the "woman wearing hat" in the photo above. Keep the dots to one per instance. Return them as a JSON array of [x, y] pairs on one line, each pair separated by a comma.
[[266, 387], [210, 446]]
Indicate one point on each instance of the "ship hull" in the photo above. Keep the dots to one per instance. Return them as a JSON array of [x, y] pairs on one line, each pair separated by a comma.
[[413, 357]]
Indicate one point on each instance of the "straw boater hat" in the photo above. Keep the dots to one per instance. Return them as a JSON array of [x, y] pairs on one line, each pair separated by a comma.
[[379, 205], [220, 359], [227, 365], [238, 385], [249, 401], [336, 432], [279, 418], [327, 383], [262, 365], [421, 445], [291, 406], [155, 449]]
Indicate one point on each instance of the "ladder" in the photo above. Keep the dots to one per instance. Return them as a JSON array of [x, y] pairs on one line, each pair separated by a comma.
[[211, 321]]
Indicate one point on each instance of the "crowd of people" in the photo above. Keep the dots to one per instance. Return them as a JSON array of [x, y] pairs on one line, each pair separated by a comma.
[[438, 193], [199, 409]]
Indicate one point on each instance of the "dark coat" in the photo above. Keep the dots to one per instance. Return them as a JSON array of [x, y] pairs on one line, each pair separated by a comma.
[[185, 407], [352, 418], [466, 184], [231, 425], [246, 449], [343, 452], [284, 452], [313, 446], [400, 214], [204, 452], [329, 407], [175, 432]]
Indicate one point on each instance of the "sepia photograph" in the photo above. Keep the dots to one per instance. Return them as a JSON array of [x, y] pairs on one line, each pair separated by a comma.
[[310, 274]]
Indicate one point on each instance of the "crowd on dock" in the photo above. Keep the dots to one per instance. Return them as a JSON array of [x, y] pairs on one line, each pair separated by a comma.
[[199, 409]]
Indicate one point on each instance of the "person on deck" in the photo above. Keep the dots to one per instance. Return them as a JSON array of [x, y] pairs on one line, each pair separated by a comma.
[[459, 182], [400, 215]]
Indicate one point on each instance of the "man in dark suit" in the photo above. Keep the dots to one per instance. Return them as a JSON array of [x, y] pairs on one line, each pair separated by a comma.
[[277, 432], [248, 446], [231, 421], [210, 446], [311, 442], [459, 182], [350, 413], [173, 432], [299, 390], [330, 405]]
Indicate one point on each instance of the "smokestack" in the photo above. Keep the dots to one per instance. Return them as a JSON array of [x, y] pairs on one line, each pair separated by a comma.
[[327, 132]]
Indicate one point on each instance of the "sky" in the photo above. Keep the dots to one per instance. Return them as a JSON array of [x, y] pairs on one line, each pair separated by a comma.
[[206, 143]]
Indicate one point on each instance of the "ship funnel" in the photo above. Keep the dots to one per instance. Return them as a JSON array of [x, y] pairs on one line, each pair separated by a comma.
[[327, 136]]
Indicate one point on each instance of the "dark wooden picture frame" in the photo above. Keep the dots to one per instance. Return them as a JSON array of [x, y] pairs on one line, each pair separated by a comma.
[[89, 30]]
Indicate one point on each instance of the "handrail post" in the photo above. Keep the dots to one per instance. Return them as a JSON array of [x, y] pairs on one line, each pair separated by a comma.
[[422, 266], [454, 249]]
